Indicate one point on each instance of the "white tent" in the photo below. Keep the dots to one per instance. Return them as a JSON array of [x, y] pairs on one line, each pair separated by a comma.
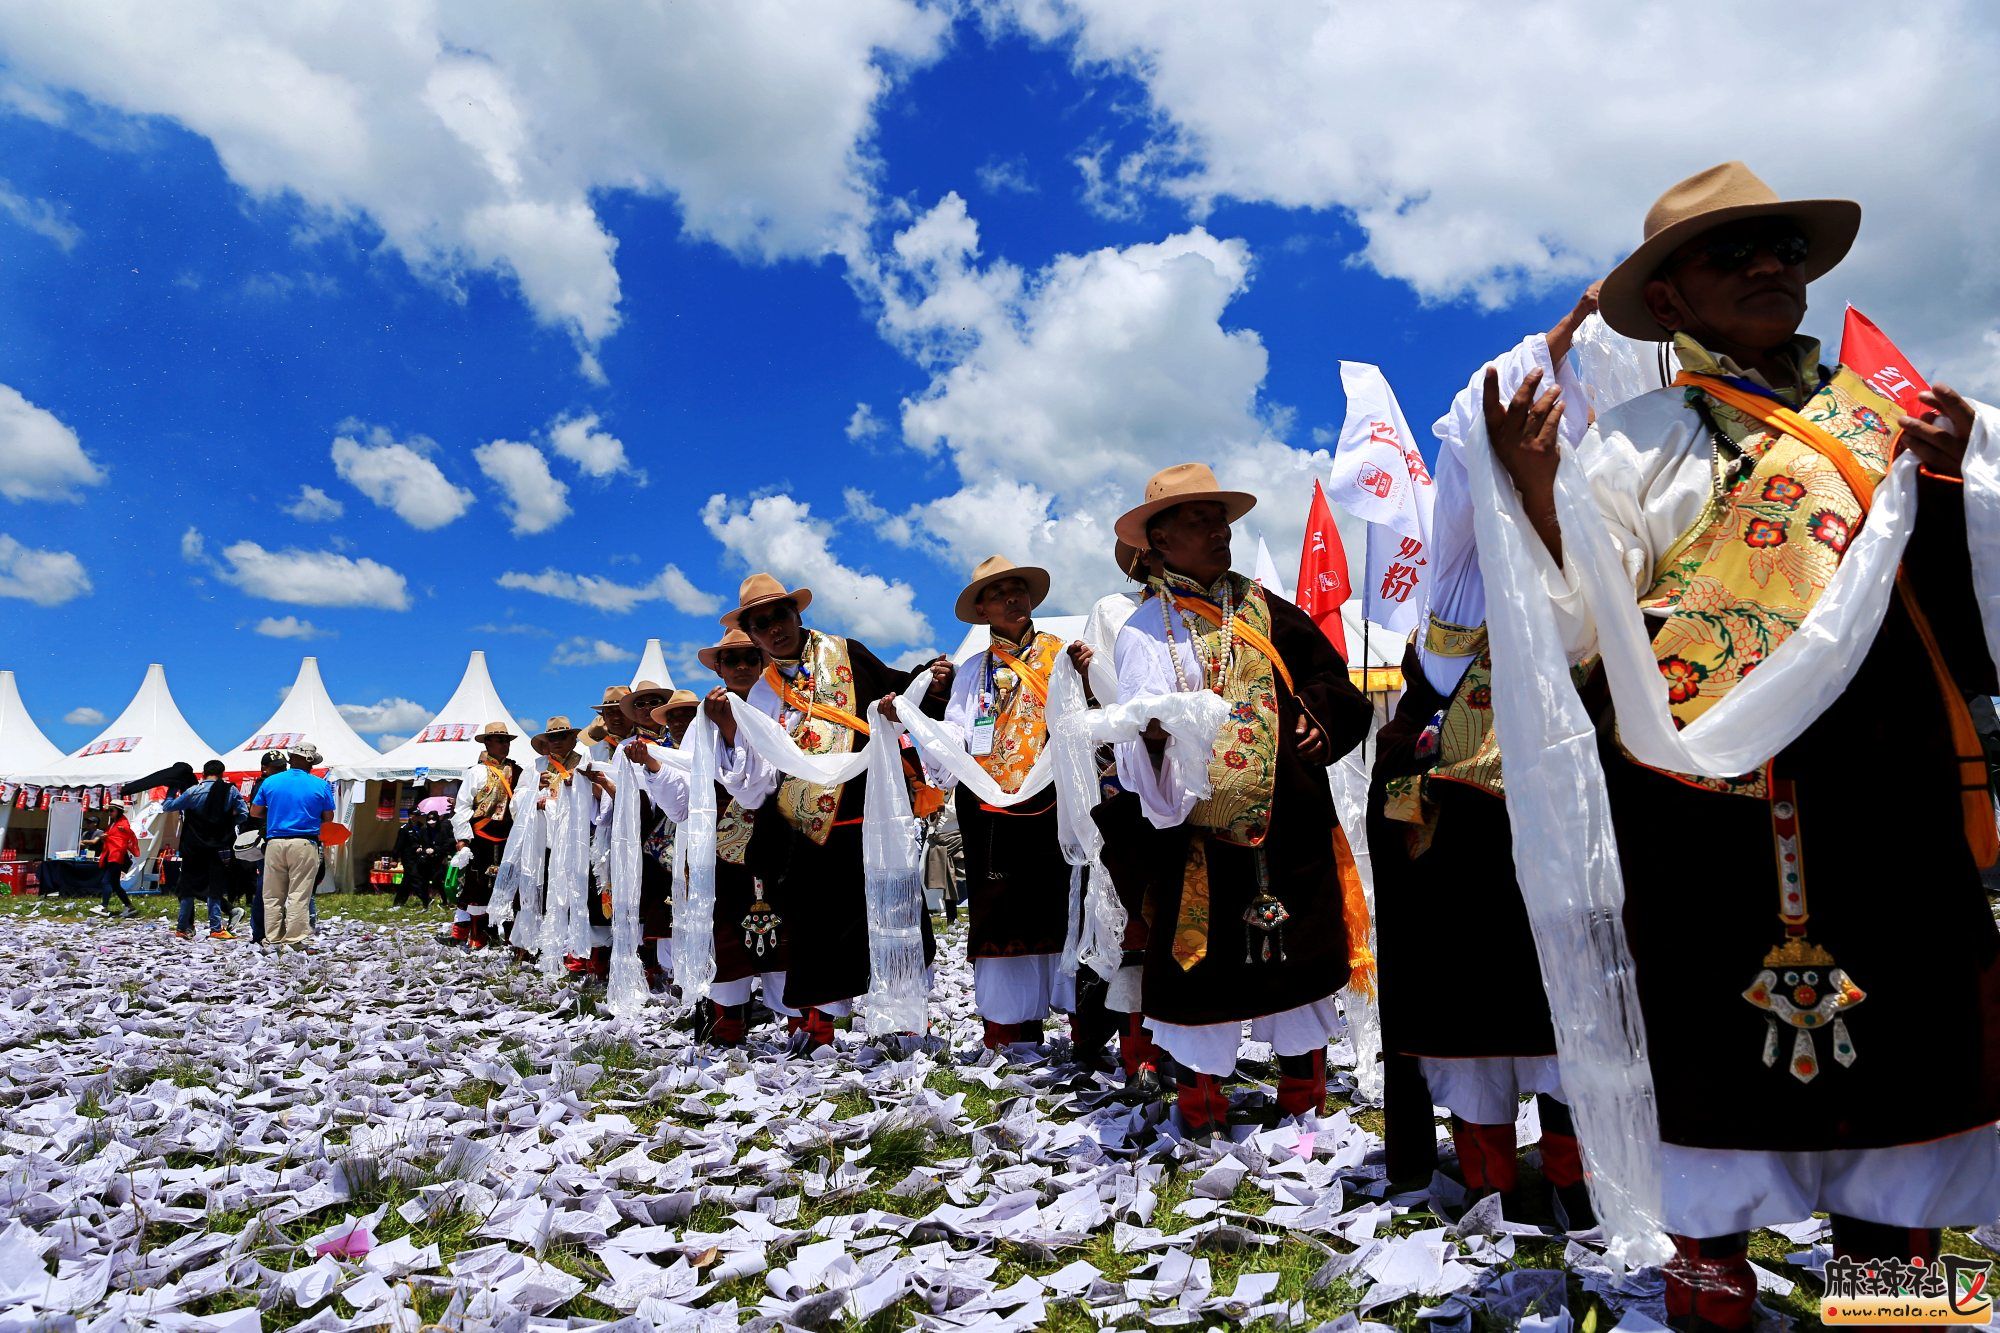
[[653, 666], [444, 749], [307, 714], [148, 736], [23, 747]]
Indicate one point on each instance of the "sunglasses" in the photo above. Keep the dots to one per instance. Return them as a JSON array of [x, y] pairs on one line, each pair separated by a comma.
[[740, 657], [755, 624], [1729, 254]]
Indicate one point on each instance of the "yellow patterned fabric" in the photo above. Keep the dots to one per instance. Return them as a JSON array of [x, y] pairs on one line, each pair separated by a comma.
[[828, 679], [1738, 583], [733, 826], [1468, 748], [1020, 727], [1243, 766]]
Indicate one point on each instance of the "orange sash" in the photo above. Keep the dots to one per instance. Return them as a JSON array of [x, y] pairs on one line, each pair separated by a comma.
[[811, 707], [1975, 799], [1036, 681]]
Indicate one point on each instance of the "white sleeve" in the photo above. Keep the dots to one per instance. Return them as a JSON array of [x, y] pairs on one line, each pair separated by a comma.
[[746, 775], [668, 789], [1145, 671], [959, 714], [469, 788]]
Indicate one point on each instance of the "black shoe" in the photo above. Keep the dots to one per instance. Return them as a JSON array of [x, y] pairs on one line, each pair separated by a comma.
[[1145, 1086], [1573, 1209]]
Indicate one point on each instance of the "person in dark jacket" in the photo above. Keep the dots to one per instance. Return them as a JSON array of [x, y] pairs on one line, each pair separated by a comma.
[[210, 811], [422, 845]]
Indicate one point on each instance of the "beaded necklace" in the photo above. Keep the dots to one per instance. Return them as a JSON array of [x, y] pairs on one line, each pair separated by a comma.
[[1224, 655]]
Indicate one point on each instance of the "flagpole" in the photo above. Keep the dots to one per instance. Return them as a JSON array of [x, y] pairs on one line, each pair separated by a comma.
[[1367, 667]]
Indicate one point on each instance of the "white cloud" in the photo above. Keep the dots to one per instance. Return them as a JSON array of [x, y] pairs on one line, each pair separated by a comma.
[[474, 136], [194, 549], [511, 627], [863, 424], [779, 534], [582, 651], [397, 714], [1006, 176], [47, 220], [535, 500], [669, 586], [84, 717], [40, 457], [46, 578], [1056, 394], [400, 477], [596, 453], [290, 627], [308, 578], [1468, 183], [389, 741], [315, 506]]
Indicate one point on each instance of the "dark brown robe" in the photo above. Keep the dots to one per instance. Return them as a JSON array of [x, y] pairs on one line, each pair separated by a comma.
[[1016, 881], [819, 888]]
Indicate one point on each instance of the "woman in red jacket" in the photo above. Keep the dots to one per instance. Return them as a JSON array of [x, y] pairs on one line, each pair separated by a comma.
[[115, 855]]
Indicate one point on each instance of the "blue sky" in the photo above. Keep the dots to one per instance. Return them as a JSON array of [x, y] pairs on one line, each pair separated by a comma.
[[740, 240]]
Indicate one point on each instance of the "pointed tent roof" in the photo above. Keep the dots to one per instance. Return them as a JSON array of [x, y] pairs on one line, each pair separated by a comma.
[[22, 744], [148, 736], [445, 748], [307, 714], [653, 666]]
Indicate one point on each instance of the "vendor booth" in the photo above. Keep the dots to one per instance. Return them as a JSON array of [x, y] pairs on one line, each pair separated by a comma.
[[148, 736], [23, 823], [430, 763]]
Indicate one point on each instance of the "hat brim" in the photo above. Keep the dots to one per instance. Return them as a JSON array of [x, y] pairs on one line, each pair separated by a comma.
[[967, 608], [639, 705], [799, 597], [1830, 226], [665, 711], [542, 740], [485, 736], [712, 654], [1131, 525]]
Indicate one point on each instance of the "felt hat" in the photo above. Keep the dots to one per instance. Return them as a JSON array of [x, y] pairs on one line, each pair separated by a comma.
[[1131, 559], [492, 730], [613, 696], [307, 751], [640, 701], [1183, 483], [736, 638], [595, 732], [680, 701], [545, 739], [1730, 192], [990, 571], [761, 590]]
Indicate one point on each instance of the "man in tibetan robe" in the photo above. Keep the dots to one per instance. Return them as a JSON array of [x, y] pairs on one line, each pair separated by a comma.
[[1242, 888], [1016, 880], [481, 818], [1446, 902], [749, 951], [806, 844], [1815, 957]]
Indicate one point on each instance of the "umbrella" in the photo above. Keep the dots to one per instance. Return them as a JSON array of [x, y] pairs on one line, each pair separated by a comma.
[[434, 805]]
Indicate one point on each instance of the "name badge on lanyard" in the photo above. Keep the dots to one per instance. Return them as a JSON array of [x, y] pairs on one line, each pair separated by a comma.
[[981, 742]]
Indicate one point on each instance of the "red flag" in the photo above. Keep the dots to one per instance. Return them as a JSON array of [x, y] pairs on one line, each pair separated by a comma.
[[1323, 584], [1866, 351]]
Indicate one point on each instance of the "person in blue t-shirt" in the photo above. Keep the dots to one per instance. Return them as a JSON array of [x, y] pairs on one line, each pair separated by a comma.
[[294, 805]]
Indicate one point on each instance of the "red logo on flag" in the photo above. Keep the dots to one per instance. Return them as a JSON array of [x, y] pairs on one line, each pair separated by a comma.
[[1372, 478]]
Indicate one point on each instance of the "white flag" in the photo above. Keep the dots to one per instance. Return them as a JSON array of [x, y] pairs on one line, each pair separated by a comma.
[[1267, 571], [1379, 477]]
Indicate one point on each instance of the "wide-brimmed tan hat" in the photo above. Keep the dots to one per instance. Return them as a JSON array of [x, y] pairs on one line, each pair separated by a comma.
[[493, 729], [640, 701], [559, 725], [760, 590], [595, 732], [736, 638], [613, 696], [681, 701], [1726, 193], [990, 571], [1183, 483]]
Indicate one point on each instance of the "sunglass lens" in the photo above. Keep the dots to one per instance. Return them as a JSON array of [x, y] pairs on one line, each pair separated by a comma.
[[1790, 248]]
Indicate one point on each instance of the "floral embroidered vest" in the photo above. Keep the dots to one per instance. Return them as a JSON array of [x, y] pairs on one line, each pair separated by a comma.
[[1243, 765], [1020, 728], [1742, 578], [825, 677]]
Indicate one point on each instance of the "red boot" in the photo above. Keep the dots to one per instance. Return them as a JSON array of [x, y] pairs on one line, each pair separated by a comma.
[[1486, 1155], [1141, 1059], [1203, 1104], [732, 1025], [818, 1027], [998, 1034], [1710, 1284], [477, 931], [1302, 1084]]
